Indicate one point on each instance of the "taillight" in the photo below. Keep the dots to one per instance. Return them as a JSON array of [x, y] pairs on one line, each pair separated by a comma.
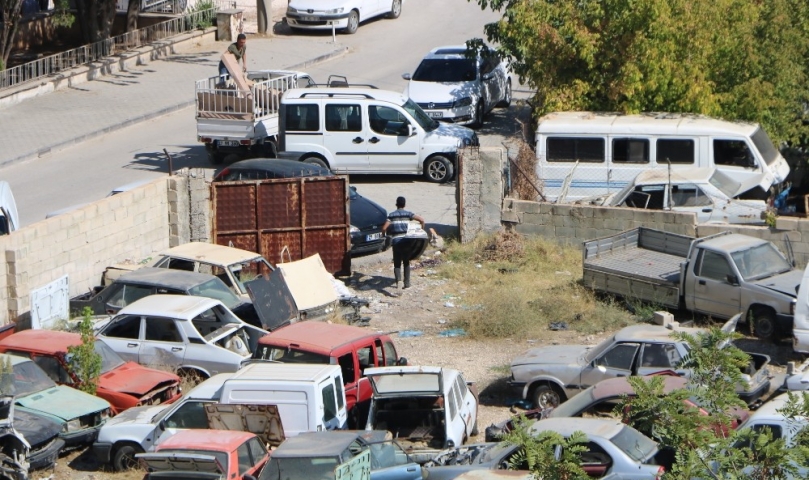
[[660, 471], [245, 142], [222, 174], [205, 140]]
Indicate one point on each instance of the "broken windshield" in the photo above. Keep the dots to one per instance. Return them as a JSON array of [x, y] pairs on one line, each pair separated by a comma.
[[760, 261]]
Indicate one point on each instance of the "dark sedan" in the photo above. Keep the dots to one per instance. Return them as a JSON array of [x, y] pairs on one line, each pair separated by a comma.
[[366, 216]]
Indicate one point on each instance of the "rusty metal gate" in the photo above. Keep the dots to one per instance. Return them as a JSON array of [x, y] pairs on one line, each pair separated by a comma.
[[302, 216]]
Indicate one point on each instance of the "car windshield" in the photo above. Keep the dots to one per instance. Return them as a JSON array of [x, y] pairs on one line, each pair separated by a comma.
[[249, 270], [765, 146], [109, 359], [446, 70], [221, 459], [308, 467], [289, 355], [574, 405], [759, 262], [29, 379], [594, 352], [418, 114], [495, 452], [634, 444], [216, 289], [387, 454]]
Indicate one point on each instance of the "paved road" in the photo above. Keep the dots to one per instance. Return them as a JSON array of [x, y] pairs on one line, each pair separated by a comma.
[[378, 54]]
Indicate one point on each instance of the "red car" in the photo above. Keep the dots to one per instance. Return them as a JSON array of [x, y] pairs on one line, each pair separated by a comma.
[[123, 384], [226, 453]]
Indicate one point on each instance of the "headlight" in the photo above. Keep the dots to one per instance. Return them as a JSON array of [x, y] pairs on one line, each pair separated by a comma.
[[292, 10], [73, 425], [792, 307], [464, 102], [335, 10], [353, 229]]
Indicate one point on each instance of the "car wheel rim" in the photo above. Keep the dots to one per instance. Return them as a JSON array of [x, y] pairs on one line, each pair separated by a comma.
[[397, 7], [437, 171], [352, 22], [764, 328], [547, 399]]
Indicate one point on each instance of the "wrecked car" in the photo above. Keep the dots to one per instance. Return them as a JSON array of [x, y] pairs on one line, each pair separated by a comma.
[[549, 375], [134, 285], [79, 414], [223, 454], [450, 463], [14, 449], [42, 434], [353, 348], [123, 384], [317, 454], [188, 334], [426, 408]]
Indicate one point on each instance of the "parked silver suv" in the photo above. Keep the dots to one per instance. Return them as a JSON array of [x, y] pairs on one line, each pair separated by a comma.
[[451, 86]]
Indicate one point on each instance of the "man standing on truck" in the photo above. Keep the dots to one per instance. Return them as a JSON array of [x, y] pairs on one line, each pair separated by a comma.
[[239, 50], [396, 228]]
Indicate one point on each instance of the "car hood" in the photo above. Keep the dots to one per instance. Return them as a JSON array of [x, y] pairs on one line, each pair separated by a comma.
[[365, 213], [136, 415], [134, 379], [426, 92], [451, 134], [553, 355], [35, 428], [63, 402], [786, 283]]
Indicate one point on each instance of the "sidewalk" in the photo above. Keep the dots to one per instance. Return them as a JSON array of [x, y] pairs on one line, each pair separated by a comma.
[[45, 124]]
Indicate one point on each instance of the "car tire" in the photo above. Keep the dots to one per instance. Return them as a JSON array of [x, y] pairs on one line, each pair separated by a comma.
[[124, 457], [480, 110], [544, 396], [506, 102], [269, 149], [395, 9], [353, 23], [762, 321], [438, 169], [316, 161]]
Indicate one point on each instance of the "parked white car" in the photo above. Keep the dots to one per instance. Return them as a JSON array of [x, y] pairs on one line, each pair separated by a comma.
[[425, 408], [706, 192], [186, 333], [451, 87], [344, 15]]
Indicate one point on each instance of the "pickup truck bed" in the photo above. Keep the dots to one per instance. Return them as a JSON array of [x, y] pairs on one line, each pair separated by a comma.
[[638, 264]]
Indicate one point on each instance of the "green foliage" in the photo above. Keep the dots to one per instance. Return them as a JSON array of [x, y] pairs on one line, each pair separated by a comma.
[[85, 361], [547, 455], [6, 377], [733, 59], [62, 16], [201, 15]]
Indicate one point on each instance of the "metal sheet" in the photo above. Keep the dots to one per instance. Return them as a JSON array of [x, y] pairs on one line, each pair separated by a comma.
[[272, 300], [49, 304]]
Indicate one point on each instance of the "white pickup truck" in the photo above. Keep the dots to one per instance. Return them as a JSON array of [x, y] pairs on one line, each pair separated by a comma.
[[243, 122]]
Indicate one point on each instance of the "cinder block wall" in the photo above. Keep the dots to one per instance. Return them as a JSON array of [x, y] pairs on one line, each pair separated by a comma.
[[480, 191]]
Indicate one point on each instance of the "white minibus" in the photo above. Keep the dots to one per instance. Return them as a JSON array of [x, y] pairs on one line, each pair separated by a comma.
[[584, 154]]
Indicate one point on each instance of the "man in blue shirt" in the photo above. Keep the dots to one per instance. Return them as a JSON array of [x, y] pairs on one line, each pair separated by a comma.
[[396, 228]]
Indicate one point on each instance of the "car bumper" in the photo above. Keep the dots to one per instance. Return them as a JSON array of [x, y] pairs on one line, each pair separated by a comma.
[[46, 456], [317, 22], [521, 386], [103, 452], [753, 396], [784, 323], [80, 437], [360, 246]]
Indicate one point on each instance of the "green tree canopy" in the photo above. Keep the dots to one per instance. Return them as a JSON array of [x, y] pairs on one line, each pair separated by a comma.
[[733, 59]]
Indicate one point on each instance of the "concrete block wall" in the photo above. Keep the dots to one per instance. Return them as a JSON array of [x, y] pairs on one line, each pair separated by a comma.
[[480, 191]]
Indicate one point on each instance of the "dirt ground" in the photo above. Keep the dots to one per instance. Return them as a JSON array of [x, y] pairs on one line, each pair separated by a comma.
[[419, 321]]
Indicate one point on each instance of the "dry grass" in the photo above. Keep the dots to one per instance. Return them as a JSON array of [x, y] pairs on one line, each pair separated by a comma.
[[517, 287]]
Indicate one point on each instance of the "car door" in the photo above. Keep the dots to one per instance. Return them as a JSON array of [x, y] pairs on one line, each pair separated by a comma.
[[688, 197], [346, 136], [391, 148], [616, 361], [713, 292], [123, 335], [390, 462], [163, 345], [190, 414], [467, 404]]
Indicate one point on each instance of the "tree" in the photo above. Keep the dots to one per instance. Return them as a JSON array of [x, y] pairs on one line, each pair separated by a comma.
[[734, 59], [85, 361], [95, 18], [547, 455], [9, 18]]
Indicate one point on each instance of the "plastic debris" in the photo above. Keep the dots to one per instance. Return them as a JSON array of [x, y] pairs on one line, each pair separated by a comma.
[[442, 321], [453, 332], [478, 266], [411, 333], [563, 272], [556, 326], [449, 305]]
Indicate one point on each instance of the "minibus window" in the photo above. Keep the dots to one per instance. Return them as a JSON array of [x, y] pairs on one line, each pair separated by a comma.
[[733, 153], [630, 150], [302, 117], [675, 151], [570, 149]]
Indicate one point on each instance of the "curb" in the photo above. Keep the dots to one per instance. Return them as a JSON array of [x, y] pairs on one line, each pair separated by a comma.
[[48, 149]]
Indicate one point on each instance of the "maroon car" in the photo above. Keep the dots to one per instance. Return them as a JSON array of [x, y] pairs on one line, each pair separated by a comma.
[[123, 384]]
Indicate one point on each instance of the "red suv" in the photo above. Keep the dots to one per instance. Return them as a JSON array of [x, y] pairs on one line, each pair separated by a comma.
[[353, 348]]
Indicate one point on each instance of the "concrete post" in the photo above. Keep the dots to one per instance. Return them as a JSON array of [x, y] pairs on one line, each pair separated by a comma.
[[228, 24]]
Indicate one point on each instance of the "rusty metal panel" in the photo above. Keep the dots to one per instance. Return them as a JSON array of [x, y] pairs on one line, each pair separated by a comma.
[[302, 216]]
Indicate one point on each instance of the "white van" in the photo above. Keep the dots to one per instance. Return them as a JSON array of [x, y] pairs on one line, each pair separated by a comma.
[[309, 397], [584, 154], [8, 210], [366, 130]]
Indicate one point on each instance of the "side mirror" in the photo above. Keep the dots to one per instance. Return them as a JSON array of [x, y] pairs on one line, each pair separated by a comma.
[[733, 279], [407, 76], [402, 362], [411, 130], [162, 425]]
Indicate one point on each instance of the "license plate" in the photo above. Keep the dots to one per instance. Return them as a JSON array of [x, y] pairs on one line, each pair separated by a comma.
[[229, 143], [435, 114], [373, 236], [309, 19]]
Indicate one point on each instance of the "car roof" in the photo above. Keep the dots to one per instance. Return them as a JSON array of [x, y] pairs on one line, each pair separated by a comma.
[[204, 439], [41, 341], [733, 242], [327, 443], [614, 387], [599, 427], [292, 372], [679, 175], [348, 93], [209, 388], [319, 337], [180, 279], [181, 307], [646, 332], [210, 252], [280, 168], [604, 123], [448, 51]]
